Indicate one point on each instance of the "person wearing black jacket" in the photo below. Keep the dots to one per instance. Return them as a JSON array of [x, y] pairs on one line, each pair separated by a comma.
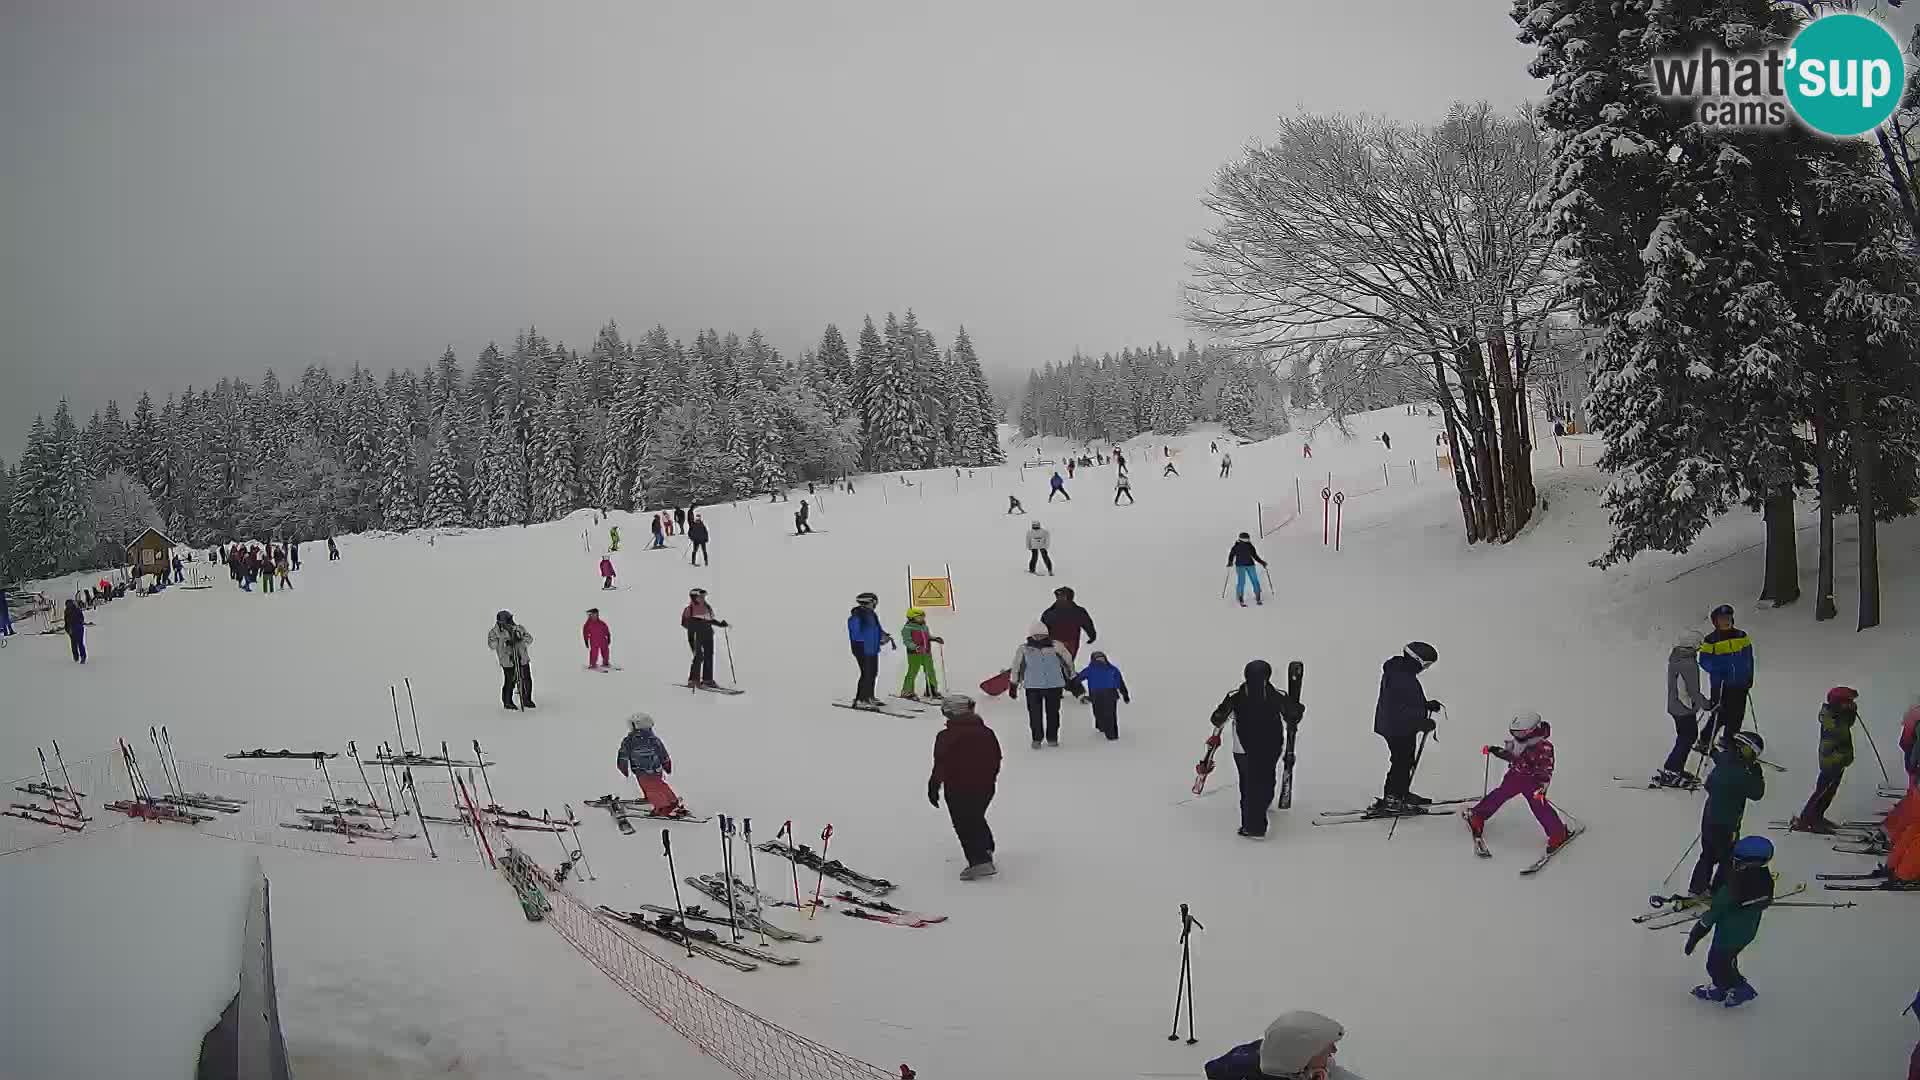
[[1402, 714], [76, 625], [1242, 558], [1066, 620], [1260, 712], [697, 533]]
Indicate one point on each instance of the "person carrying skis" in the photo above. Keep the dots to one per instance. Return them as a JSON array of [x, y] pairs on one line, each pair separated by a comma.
[[1013, 505], [966, 762], [1044, 667], [864, 638], [1736, 780], [1037, 540], [659, 533], [697, 534], [699, 620], [1529, 757], [1123, 486], [1057, 487], [1726, 656], [1402, 713], [598, 637], [919, 654], [1298, 1045], [76, 625], [606, 571], [512, 645], [800, 525], [1685, 703], [613, 538], [1837, 717], [1107, 687], [1066, 620], [644, 757], [1260, 712], [1242, 557], [1739, 900]]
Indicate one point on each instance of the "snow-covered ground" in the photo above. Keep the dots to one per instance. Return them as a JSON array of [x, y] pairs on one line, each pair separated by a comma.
[[1438, 964]]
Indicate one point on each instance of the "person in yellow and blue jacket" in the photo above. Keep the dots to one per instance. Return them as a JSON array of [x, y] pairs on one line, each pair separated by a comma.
[[1727, 657]]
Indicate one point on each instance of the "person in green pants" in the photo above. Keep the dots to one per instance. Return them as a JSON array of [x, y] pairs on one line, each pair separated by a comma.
[[919, 654]]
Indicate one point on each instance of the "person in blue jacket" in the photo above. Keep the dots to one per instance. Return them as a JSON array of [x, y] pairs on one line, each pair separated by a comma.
[[6, 616], [1107, 687], [1059, 487], [865, 635], [1727, 657]]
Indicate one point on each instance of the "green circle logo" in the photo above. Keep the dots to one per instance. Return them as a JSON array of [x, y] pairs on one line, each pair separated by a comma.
[[1846, 75]]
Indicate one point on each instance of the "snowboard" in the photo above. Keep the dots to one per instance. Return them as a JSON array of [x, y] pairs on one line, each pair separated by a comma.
[[996, 685]]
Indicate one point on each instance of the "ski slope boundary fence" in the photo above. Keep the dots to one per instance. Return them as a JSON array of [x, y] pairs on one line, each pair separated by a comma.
[[749, 1045]]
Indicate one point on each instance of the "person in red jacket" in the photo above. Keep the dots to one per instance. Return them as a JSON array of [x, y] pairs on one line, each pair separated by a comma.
[[1065, 620], [966, 761], [598, 637], [606, 571]]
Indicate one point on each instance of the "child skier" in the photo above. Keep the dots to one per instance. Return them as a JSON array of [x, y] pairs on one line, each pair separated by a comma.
[[919, 654], [613, 538], [1013, 505], [1734, 918], [644, 757], [659, 537], [1529, 757], [597, 637], [1057, 487], [1108, 688], [1685, 703], [1836, 753], [1735, 780], [606, 571], [1727, 657]]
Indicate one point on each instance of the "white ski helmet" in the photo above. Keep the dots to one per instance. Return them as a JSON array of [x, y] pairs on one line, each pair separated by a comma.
[[1039, 630], [639, 722], [1523, 724]]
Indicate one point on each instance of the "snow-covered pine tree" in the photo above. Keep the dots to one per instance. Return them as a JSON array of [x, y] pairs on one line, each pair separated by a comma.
[[446, 488], [399, 501], [870, 356]]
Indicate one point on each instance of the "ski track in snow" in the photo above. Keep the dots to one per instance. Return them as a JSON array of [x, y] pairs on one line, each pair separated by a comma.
[[1437, 963]]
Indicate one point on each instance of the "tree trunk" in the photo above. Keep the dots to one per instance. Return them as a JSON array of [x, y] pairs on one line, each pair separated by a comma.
[[1517, 470], [1444, 395], [1823, 607], [1866, 472], [1782, 584], [1898, 177]]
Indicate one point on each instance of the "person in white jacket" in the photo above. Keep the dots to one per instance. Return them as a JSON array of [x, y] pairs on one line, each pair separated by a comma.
[[1685, 703], [1037, 540], [1045, 668]]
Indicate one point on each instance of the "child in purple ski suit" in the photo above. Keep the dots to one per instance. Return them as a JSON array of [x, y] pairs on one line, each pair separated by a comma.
[[1529, 757]]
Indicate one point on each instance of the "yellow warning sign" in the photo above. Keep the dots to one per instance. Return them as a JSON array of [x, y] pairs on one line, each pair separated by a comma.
[[932, 592]]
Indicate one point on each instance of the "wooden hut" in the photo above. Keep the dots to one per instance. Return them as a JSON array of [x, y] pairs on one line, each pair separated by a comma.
[[151, 553]]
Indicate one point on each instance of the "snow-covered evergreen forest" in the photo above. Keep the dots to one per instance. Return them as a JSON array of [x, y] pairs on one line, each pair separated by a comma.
[[526, 434], [1153, 390]]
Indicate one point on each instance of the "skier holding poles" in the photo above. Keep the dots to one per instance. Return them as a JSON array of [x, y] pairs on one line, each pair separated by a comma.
[[1403, 712], [1242, 558], [699, 620]]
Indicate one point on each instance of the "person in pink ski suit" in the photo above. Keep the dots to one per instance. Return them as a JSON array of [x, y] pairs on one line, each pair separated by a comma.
[[644, 757], [606, 571], [1529, 757], [598, 636]]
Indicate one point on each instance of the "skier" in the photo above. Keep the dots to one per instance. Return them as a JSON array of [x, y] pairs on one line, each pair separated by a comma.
[[966, 761], [1684, 703], [644, 757], [800, 525], [512, 645], [613, 538], [1044, 667], [659, 533], [606, 571], [1107, 687], [1123, 486], [1386, 440], [1727, 658], [864, 638], [265, 564], [1066, 620], [699, 620], [179, 574], [1242, 557], [1057, 487], [1739, 900], [1169, 470], [1120, 459], [1298, 1045], [679, 520], [597, 636], [1037, 539], [1735, 780], [293, 553], [1306, 450], [697, 533], [1013, 505], [76, 624], [1529, 757], [1226, 466], [1402, 712], [1213, 447], [919, 654], [1069, 469], [1259, 711], [280, 567], [6, 616], [1836, 753], [333, 550]]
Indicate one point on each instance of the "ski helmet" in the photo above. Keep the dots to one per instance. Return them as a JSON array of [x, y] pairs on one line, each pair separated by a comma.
[[1039, 630], [639, 722], [1842, 695], [1523, 724], [503, 617], [1035, 525], [696, 593], [1753, 849], [956, 705], [916, 613], [1689, 639], [1423, 654], [1244, 536], [1750, 743], [1723, 609], [593, 611], [866, 598], [1064, 592]]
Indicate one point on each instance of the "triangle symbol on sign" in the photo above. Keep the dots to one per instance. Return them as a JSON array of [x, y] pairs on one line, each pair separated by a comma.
[[931, 590]]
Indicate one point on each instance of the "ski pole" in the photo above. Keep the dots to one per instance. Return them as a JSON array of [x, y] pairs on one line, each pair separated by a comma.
[[332, 795], [153, 736], [1683, 858], [1486, 773], [488, 780], [666, 845], [726, 864], [66, 776], [727, 637], [792, 863], [1876, 751], [753, 868], [478, 828], [394, 693], [388, 772], [1223, 595], [942, 646], [1184, 988], [573, 825], [406, 784], [826, 835], [354, 753], [566, 853], [1418, 753], [172, 762], [416, 713]]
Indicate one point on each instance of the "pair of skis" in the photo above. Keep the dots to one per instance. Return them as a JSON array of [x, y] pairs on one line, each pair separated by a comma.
[[1573, 833], [1680, 909], [1296, 675], [1875, 880], [735, 954], [901, 712], [833, 868]]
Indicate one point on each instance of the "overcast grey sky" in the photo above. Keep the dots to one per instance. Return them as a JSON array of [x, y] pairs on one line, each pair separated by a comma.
[[192, 190]]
